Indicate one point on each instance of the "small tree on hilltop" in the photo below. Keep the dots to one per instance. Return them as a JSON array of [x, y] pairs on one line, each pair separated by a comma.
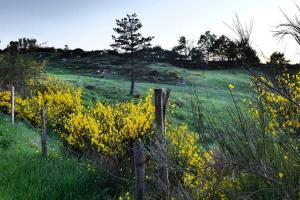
[[130, 40], [278, 59], [183, 48]]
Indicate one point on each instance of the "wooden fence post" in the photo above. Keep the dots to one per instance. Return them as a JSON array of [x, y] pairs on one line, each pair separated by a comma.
[[12, 105], [139, 164], [44, 133], [161, 98]]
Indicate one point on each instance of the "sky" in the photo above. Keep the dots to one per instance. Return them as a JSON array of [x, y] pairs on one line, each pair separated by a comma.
[[88, 24]]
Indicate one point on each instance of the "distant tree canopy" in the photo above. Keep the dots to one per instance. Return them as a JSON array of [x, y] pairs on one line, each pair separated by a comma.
[[247, 54], [278, 59], [213, 48], [231, 51], [16, 70], [222, 48], [157, 53], [207, 45], [23, 45], [183, 49], [196, 55]]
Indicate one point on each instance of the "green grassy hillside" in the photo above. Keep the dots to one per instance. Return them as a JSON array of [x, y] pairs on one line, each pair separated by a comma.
[[113, 85]]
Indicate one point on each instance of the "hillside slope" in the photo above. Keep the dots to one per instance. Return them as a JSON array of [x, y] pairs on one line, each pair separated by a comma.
[[107, 80]]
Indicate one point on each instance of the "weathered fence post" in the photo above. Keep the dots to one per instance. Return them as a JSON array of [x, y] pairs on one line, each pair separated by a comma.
[[161, 98], [12, 105], [44, 133], [139, 164]]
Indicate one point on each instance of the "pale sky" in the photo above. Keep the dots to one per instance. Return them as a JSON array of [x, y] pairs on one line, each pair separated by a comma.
[[88, 24]]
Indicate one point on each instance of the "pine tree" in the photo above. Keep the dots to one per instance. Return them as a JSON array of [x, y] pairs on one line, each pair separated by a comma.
[[130, 40]]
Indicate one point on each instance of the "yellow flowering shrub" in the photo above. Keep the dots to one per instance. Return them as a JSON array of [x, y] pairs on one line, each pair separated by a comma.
[[57, 97], [127, 196], [110, 128], [198, 174], [5, 102], [283, 111], [59, 100], [78, 128], [49, 83], [107, 128]]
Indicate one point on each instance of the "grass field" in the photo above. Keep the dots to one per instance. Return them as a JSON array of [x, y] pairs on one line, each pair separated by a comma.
[[24, 174], [211, 85]]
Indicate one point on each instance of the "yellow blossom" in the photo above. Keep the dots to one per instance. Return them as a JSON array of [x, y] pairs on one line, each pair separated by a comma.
[[281, 112], [231, 86], [280, 174]]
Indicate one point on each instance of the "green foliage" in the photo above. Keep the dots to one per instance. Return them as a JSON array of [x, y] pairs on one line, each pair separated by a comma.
[[17, 70], [6, 140], [207, 44], [23, 45], [278, 59], [183, 48], [262, 160]]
